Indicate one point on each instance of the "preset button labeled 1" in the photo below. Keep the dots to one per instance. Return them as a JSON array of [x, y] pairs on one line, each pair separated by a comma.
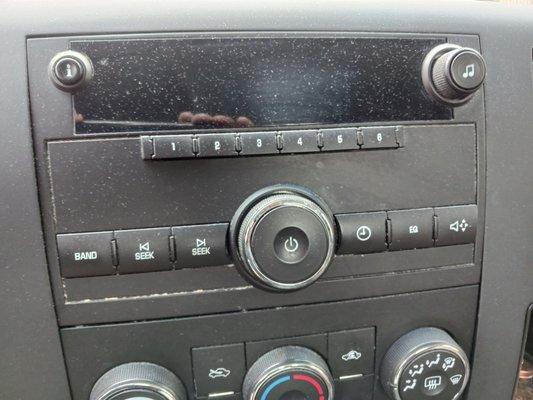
[[201, 245]]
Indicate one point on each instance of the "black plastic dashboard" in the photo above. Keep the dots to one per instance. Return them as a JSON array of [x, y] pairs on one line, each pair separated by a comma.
[[136, 211]]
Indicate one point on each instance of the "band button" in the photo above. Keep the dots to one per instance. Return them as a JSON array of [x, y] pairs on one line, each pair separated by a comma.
[[85, 254]]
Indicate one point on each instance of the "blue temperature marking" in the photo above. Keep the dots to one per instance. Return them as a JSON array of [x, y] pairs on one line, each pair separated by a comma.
[[273, 385]]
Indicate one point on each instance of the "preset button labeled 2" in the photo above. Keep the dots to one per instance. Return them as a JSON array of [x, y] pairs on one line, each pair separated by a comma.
[[201, 245], [143, 250], [85, 254]]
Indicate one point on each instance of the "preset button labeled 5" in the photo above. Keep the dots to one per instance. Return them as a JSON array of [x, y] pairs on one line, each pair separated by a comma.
[[201, 245], [143, 250]]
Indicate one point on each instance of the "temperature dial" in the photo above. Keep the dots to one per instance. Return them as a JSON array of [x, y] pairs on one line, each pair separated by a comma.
[[426, 364], [289, 373]]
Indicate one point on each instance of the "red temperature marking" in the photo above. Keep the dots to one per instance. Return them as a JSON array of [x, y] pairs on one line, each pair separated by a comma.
[[312, 381]]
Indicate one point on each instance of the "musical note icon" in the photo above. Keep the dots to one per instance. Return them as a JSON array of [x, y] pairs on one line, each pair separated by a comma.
[[469, 71]]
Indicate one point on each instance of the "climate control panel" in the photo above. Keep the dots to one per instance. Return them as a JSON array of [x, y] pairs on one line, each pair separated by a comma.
[[423, 364]]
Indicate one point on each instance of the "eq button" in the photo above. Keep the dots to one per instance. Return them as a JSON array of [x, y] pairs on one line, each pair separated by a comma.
[[411, 229]]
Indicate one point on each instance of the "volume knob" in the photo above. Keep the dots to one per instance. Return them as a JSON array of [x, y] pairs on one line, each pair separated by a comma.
[[283, 238], [452, 74]]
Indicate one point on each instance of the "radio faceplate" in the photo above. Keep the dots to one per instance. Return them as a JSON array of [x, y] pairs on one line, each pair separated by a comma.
[[106, 181]]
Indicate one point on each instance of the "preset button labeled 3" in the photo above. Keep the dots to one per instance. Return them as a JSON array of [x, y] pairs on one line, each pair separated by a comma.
[[143, 250], [201, 245]]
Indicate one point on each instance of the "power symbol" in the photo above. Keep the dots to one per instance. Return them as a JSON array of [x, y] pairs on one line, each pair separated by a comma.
[[291, 245]]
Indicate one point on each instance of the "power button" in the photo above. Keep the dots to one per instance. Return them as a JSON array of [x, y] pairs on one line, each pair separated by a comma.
[[291, 245]]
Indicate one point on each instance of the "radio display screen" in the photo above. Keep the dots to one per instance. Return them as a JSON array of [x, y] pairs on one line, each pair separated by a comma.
[[181, 83]]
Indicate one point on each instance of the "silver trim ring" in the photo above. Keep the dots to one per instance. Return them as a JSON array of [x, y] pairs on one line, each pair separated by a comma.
[[294, 367], [249, 225], [442, 346], [427, 69], [126, 386]]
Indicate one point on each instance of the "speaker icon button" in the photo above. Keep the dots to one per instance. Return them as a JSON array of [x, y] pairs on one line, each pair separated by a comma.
[[455, 225]]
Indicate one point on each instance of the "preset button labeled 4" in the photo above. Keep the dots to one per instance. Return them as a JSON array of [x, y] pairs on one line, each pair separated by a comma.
[[201, 245]]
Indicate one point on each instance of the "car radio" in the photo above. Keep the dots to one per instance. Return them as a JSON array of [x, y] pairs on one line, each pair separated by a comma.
[[262, 215]]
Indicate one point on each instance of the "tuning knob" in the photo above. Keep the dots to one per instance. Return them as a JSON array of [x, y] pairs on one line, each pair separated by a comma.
[[288, 373], [283, 238], [452, 74], [138, 380], [425, 364]]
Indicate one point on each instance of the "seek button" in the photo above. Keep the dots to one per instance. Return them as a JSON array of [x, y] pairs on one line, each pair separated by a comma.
[[201, 245]]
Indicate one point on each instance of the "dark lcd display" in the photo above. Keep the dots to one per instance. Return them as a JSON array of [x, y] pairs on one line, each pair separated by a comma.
[[189, 83]]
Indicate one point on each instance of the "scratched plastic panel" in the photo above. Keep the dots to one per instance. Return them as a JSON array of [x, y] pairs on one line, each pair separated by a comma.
[[203, 83]]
